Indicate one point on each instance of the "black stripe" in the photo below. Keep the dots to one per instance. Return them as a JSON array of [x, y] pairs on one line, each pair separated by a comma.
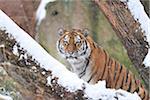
[[135, 80], [90, 78], [84, 71], [120, 68], [85, 49], [94, 45], [115, 70], [111, 61], [93, 73], [87, 63], [144, 96], [129, 89], [136, 90], [105, 64], [82, 74], [127, 76], [122, 79], [119, 74], [122, 83]]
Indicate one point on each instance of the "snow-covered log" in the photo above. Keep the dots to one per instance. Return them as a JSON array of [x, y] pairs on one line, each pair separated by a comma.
[[131, 25], [39, 69]]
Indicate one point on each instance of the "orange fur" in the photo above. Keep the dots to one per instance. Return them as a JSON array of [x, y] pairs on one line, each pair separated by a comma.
[[102, 62]]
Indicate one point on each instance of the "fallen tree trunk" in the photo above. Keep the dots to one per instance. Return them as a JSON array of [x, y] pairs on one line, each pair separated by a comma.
[[129, 31]]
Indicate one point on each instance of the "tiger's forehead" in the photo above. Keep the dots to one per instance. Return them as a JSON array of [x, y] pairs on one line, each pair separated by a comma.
[[73, 34], [76, 36]]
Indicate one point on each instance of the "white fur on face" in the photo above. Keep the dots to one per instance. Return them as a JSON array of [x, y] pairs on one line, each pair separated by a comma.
[[66, 38], [77, 39]]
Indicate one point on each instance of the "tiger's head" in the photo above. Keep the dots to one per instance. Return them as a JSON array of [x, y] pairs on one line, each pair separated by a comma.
[[73, 45]]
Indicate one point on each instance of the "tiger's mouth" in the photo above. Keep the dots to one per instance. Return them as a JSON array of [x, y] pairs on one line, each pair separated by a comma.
[[71, 57]]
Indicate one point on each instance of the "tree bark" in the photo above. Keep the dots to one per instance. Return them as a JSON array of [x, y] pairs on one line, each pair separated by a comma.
[[129, 32], [22, 12]]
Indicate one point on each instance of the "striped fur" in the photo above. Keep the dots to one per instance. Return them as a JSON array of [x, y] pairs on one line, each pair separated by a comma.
[[91, 63]]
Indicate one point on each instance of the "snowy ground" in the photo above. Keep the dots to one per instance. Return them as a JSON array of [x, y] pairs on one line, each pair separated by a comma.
[[137, 10]]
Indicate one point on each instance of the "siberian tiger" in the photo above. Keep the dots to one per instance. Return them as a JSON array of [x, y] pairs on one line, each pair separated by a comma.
[[92, 63]]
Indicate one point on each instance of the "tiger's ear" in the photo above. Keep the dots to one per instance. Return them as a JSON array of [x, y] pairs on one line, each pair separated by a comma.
[[85, 32], [60, 31]]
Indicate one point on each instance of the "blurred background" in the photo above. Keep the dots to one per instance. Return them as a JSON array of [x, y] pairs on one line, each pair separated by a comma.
[[79, 14]]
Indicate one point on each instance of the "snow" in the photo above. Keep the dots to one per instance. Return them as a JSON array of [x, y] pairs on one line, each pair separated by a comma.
[[2, 46], [15, 50], [66, 78], [137, 10], [99, 90], [41, 12], [4, 97], [146, 61]]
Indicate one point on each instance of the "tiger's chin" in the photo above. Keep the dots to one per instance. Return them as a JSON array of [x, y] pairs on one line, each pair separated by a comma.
[[74, 60], [71, 59]]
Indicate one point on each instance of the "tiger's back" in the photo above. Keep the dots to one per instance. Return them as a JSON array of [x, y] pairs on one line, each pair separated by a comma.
[[115, 74], [92, 63]]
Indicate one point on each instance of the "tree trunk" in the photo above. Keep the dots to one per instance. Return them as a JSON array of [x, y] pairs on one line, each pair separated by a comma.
[[129, 32]]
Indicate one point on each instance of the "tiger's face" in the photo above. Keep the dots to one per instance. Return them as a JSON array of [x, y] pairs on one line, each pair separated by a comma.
[[73, 45]]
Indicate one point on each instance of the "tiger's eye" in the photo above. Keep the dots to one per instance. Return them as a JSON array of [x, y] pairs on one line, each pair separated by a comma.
[[78, 44], [65, 43]]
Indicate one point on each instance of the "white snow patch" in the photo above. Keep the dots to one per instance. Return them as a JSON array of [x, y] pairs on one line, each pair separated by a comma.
[[2, 46], [99, 90], [4, 97], [123, 0], [137, 10], [41, 12], [43, 73], [15, 50], [66, 78], [146, 61]]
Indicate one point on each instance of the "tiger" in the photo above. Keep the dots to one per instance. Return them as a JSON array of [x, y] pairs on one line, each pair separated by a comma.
[[92, 63]]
